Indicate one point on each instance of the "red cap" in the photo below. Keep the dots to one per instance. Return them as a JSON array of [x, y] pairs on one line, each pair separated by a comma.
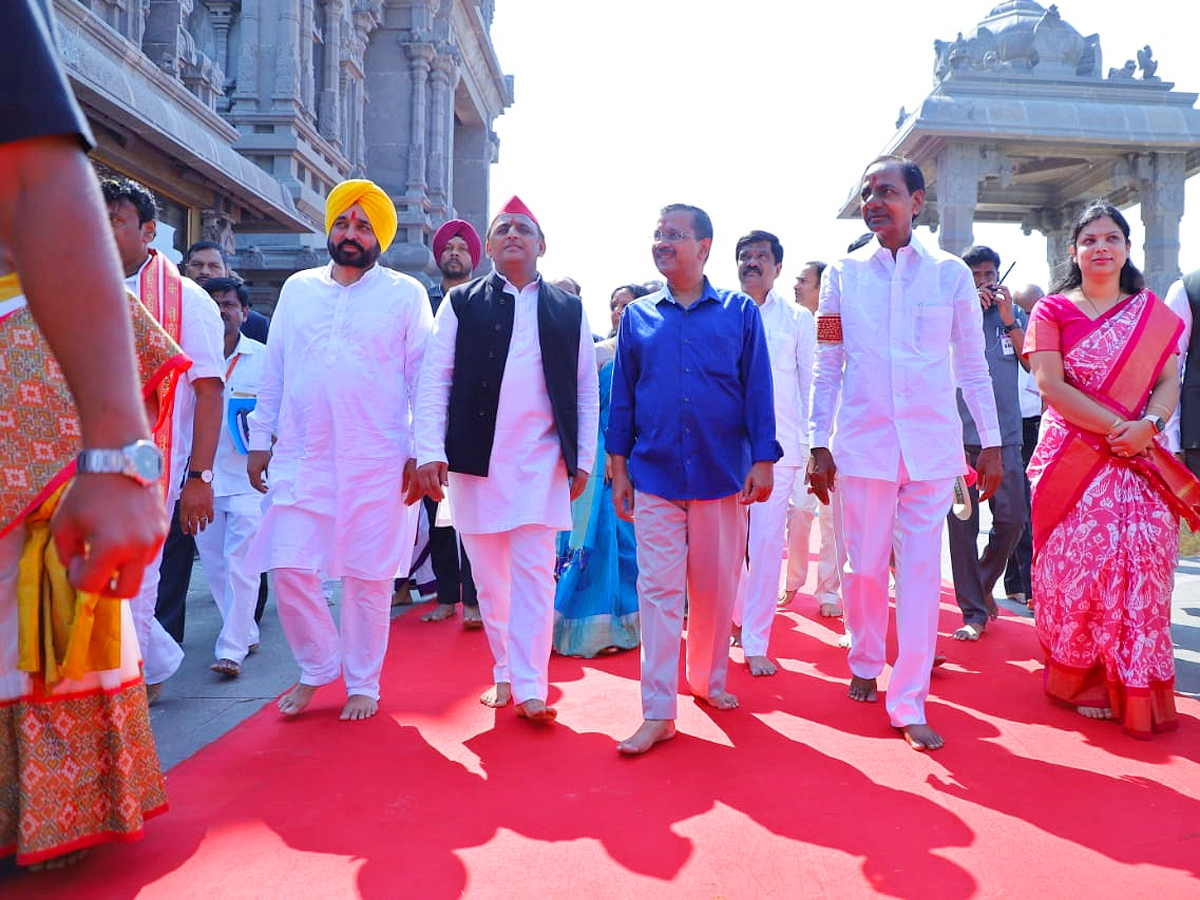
[[517, 206]]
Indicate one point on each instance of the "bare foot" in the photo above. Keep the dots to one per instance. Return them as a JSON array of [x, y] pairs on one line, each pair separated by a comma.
[[472, 620], [831, 610], [440, 611], [497, 695], [786, 598], [358, 706], [653, 731], [226, 667], [296, 699], [536, 711], [1094, 712], [761, 665], [153, 692], [922, 737], [864, 690], [721, 700], [58, 862], [844, 641], [939, 660], [735, 636]]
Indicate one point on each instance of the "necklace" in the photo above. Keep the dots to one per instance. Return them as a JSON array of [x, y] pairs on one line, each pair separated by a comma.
[[1092, 303]]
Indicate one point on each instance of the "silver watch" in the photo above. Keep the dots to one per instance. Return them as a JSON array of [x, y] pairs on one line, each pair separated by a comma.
[[141, 461]]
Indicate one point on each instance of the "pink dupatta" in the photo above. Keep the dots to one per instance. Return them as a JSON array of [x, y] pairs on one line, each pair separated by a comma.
[[1144, 333]]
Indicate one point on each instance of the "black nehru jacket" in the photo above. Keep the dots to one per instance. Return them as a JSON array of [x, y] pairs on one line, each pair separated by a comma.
[[485, 324]]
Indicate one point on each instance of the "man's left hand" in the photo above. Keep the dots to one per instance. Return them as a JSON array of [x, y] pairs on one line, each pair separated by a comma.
[[408, 483], [195, 506], [759, 482], [990, 471], [578, 483]]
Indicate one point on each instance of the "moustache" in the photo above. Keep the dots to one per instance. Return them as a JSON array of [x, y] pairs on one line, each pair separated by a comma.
[[746, 270], [349, 243]]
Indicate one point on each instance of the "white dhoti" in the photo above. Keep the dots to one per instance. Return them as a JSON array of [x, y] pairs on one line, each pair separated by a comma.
[[320, 651], [873, 513], [831, 556], [758, 588], [233, 583], [161, 656], [514, 578], [686, 552]]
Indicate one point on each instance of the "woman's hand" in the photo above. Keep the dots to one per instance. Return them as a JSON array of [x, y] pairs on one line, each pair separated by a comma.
[[1131, 438]]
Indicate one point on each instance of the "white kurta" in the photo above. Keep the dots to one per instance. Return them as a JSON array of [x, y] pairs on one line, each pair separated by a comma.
[[516, 490], [337, 391]]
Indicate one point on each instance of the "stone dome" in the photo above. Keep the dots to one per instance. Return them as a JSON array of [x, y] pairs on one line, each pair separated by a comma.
[[1021, 36]]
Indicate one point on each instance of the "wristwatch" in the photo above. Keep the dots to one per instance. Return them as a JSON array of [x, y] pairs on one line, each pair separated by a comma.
[[204, 475], [141, 461], [1007, 328], [1157, 422]]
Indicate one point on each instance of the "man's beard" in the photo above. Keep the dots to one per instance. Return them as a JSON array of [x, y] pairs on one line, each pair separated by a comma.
[[453, 268], [353, 254]]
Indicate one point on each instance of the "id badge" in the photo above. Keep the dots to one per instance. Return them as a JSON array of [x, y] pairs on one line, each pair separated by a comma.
[[1006, 344]]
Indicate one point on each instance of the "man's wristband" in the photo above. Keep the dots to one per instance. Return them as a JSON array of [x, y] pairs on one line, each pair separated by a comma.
[[1010, 327]]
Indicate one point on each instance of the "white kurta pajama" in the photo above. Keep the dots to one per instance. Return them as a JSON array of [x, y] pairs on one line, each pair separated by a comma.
[[237, 513], [201, 336], [791, 341], [508, 520], [911, 332], [337, 390]]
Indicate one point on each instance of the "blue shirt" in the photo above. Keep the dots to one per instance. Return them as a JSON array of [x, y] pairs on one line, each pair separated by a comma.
[[692, 398]]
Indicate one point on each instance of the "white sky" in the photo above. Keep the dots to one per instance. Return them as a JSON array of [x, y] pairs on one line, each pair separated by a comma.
[[762, 112]]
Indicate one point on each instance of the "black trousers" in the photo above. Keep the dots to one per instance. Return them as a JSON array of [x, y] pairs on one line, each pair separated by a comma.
[[174, 575], [451, 567], [976, 575], [1018, 577]]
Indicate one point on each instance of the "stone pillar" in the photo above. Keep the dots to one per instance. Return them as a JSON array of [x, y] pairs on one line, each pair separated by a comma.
[[420, 55], [216, 226], [1055, 223], [1162, 208], [248, 50], [329, 103], [308, 100], [286, 90], [441, 189], [221, 13], [957, 193]]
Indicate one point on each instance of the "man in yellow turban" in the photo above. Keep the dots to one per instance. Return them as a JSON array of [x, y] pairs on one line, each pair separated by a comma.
[[359, 198], [330, 446]]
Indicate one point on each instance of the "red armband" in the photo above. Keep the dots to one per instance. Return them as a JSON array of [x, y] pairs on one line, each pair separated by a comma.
[[829, 329]]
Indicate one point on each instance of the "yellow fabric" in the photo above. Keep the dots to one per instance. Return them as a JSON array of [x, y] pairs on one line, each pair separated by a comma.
[[10, 286], [62, 633], [378, 206]]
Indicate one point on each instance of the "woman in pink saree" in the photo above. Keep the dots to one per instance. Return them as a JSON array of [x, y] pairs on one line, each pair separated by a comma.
[[1106, 494]]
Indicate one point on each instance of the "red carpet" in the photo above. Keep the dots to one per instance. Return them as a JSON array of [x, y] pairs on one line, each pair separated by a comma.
[[800, 793]]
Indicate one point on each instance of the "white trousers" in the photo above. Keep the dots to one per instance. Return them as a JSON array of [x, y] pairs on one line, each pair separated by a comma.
[[801, 511], [689, 553], [223, 545], [874, 513], [320, 652], [758, 588], [161, 656], [514, 578]]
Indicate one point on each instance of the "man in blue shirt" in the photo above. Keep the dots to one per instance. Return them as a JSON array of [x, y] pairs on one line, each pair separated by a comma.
[[691, 437]]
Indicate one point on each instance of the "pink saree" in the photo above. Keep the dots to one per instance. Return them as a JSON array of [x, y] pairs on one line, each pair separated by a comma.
[[1106, 528]]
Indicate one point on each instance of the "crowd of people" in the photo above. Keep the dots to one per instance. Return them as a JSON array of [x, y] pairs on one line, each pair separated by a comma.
[[574, 493]]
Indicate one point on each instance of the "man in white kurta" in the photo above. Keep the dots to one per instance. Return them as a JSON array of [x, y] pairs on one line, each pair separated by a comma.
[[542, 418], [336, 395], [196, 418], [237, 507], [898, 329], [791, 340]]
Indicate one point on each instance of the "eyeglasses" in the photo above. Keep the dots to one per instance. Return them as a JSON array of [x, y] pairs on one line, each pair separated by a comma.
[[671, 236]]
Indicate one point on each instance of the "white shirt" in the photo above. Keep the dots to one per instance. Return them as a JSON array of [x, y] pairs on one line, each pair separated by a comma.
[[791, 342], [337, 389], [244, 368], [526, 482], [1177, 301], [202, 338], [912, 331]]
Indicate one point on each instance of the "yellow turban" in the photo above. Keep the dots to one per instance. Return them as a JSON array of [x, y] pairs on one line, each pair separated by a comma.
[[380, 210]]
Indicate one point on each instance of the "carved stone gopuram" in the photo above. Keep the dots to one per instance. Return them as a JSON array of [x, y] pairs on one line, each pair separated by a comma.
[[1024, 125]]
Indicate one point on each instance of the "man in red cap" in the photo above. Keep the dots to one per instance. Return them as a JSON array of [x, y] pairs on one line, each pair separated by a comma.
[[457, 249], [507, 415]]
